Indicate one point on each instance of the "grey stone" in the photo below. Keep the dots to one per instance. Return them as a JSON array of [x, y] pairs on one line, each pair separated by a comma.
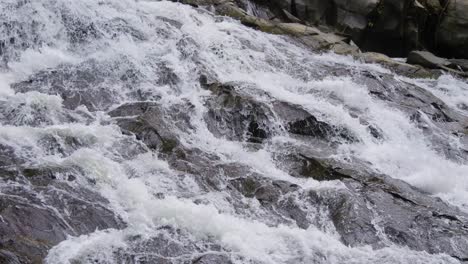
[[212, 259], [426, 59], [460, 64]]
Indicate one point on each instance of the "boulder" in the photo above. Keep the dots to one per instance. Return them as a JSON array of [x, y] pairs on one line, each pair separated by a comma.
[[148, 121], [308, 35], [237, 116], [460, 64], [405, 69], [426, 59], [300, 122]]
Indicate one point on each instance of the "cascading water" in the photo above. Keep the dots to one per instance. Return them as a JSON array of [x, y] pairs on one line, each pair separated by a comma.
[[69, 69]]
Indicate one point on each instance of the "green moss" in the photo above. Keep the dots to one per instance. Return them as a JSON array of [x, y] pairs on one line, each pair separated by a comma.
[[317, 170], [32, 172], [168, 145], [250, 186]]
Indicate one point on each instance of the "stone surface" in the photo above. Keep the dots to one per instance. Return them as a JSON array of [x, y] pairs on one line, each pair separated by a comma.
[[460, 64], [426, 59], [405, 69], [452, 33], [36, 218], [391, 27]]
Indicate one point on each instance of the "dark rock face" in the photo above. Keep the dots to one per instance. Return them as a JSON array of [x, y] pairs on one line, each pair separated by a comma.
[[452, 34], [241, 117], [392, 27], [300, 122]]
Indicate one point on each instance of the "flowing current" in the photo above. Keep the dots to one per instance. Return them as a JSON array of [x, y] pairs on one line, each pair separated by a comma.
[[108, 53]]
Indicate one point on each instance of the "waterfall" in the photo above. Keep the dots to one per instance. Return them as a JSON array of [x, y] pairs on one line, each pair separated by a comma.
[[156, 132]]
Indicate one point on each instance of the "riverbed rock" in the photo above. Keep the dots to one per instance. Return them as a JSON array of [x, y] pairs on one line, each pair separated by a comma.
[[300, 122], [212, 259], [405, 69], [39, 215], [237, 116], [149, 123], [76, 86], [308, 35], [460, 64], [426, 59], [405, 215]]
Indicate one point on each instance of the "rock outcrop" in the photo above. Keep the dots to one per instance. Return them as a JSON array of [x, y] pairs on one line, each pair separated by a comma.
[[392, 27]]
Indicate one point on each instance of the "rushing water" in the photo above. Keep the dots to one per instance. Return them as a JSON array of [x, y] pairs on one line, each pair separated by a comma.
[[163, 48]]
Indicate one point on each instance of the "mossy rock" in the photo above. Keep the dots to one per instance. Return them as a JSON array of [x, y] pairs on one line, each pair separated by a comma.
[[168, 145], [246, 186], [318, 170], [401, 68]]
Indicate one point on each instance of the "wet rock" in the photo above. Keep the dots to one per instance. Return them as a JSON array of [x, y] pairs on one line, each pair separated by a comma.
[[9, 258], [30, 227], [212, 259], [401, 68], [149, 122], [288, 207], [267, 194], [460, 64], [237, 116], [376, 207], [197, 3], [241, 117], [423, 108], [39, 209], [8, 157], [82, 85], [426, 59], [299, 165], [163, 246], [409, 98], [352, 219], [246, 186], [308, 35], [300, 122]]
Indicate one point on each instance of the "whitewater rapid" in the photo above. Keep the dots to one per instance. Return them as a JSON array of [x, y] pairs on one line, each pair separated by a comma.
[[139, 36]]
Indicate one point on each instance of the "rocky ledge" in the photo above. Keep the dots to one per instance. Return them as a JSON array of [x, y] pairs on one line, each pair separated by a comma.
[[370, 31]]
